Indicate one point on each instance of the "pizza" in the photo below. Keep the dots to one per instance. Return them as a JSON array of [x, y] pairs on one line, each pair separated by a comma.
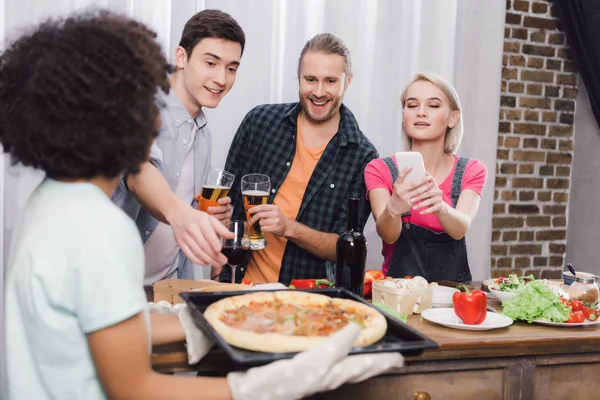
[[290, 321]]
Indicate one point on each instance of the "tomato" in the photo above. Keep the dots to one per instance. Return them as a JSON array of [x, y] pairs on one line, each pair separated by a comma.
[[374, 275], [576, 305], [408, 277], [590, 313], [564, 301], [370, 276], [576, 318], [246, 281], [368, 289]]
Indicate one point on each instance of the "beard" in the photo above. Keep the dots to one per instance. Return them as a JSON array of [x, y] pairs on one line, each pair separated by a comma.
[[332, 112]]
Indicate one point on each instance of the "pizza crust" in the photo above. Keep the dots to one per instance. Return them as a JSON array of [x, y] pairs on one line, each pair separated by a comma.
[[374, 328]]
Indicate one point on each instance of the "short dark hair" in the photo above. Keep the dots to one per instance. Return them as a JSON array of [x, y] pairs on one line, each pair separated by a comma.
[[327, 43], [77, 95], [211, 24]]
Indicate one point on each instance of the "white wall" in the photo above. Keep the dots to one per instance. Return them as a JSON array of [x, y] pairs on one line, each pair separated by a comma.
[[583, 236], [390, 41]]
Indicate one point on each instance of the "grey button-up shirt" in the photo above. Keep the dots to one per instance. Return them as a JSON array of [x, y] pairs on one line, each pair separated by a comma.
[[167, 154]]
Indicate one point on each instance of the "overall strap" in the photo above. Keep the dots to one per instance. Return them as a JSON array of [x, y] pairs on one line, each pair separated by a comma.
[[392, 167], [457, 179]]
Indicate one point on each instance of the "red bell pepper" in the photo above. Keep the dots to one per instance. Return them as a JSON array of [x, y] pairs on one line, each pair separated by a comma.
[[470, 306], [310, 283]]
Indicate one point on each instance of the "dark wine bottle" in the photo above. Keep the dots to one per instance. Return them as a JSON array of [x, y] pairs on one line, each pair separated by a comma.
[[351, 253]]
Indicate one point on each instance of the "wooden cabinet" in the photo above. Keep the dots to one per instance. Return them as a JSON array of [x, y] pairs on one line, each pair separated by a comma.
[[570, 380], [537, 378], [522, 361]]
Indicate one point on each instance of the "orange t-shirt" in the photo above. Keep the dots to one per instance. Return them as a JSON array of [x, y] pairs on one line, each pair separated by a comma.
[[264, 265]]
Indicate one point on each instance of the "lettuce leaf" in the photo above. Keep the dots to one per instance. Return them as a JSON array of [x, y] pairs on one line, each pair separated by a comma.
[[536, 301], [391, 311]]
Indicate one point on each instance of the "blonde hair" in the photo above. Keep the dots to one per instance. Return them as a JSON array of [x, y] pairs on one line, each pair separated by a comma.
[[454, 135]]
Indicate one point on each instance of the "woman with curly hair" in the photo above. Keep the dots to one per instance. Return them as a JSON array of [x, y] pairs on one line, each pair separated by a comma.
[[77, 101]]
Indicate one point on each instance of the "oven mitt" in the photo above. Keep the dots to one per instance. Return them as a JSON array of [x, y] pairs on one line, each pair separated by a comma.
[[320, 369], [196, 342]]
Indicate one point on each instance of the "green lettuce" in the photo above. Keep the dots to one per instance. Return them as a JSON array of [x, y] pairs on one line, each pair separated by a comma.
[[391, 311], [536, 301]]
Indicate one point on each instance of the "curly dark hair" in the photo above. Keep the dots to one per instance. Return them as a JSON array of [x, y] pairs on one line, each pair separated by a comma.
[[77, 95]]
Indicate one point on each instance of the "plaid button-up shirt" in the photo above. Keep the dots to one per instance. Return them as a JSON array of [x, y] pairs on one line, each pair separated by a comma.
[[265, 143]]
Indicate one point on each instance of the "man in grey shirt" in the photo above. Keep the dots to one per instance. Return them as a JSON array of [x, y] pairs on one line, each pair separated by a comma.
[[161, 197]]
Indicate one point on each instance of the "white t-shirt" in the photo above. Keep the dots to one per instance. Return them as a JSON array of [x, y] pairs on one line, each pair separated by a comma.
[[161, 249], [76, 266]]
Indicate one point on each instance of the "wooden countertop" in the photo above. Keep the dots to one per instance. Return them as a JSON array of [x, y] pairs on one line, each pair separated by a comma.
[[518, 339]]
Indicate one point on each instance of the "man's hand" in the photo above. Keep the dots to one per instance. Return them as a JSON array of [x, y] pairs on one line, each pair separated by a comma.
[[197, 235], [222, 212], [271, 219]]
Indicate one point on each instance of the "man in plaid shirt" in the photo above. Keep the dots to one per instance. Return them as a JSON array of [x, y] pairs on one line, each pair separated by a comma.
[[315, 154]]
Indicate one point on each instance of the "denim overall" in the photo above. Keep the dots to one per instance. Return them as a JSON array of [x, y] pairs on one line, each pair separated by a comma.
[[423, 252]]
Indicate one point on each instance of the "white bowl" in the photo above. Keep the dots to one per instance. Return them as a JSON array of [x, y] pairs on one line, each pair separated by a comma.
[[442, 296], [502, 295], [568, 277]]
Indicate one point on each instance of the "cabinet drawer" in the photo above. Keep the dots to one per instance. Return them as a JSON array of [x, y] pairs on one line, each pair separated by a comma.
[[567, 381], [485, 384]]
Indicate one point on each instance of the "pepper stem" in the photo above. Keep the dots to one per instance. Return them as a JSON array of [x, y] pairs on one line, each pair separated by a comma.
[[467, 291]]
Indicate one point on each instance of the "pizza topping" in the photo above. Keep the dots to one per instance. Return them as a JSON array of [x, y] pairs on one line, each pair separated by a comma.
[[291, 319], [310, 283]]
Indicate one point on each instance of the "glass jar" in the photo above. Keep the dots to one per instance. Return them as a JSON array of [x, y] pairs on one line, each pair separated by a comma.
[[585, 289]]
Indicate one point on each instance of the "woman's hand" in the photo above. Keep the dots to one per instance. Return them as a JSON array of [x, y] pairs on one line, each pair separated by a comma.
[[430, 200], [404, 194]]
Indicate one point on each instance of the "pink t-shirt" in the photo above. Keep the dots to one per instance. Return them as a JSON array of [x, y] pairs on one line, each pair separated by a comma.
[[377, 175]]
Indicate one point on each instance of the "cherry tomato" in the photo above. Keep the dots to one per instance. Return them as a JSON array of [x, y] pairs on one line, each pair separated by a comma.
[[590, 313], [576, 318], [564, 301], [246, 281], [576, 305], [408, 277]]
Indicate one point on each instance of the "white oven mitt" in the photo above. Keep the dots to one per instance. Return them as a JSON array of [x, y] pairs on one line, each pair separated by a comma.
[[320, 369], [196, 342]]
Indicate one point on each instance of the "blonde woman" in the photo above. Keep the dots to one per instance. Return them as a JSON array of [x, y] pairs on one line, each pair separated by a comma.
[[423, 223]]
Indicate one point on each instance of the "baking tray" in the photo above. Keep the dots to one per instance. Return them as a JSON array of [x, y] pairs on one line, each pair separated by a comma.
[[398, 338]]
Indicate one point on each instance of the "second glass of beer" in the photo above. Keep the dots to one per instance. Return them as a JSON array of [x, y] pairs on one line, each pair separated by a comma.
[[216, 186], [255, 189]]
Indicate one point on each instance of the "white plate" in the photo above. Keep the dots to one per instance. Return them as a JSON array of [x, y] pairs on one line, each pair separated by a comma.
[[441, 296], [567, 325], [447, 317]]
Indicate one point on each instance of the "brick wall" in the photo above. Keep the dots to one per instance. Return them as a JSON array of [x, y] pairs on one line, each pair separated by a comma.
[[535, 143]]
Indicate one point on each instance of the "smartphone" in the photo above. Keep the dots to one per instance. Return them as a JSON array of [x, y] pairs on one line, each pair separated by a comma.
[[414, 159]]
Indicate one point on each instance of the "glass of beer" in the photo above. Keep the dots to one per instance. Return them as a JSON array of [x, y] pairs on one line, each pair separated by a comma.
[[255, 189], [216, 186]]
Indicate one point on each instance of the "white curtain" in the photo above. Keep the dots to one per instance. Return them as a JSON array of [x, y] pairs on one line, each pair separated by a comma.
[[390, 40]]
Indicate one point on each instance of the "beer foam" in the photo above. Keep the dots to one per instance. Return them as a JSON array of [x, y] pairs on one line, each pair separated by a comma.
[[215, 187], [255, 193]]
